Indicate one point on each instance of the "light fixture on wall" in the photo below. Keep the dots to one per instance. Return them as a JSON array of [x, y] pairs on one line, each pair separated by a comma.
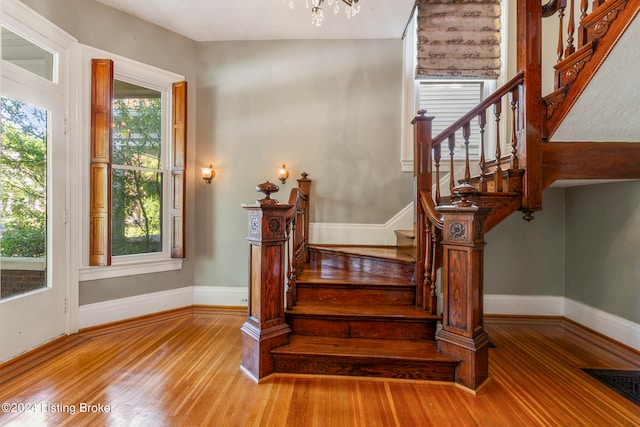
[[208, 174], [283, 174], [351, 8]]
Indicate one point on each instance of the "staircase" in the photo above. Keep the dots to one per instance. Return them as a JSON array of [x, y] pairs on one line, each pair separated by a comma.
[[366, 311], [356, 315]]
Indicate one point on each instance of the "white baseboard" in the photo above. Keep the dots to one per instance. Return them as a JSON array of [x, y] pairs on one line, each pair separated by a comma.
[[525, 305], [614, 327], [362, 234], [225, 296], [125, 308]]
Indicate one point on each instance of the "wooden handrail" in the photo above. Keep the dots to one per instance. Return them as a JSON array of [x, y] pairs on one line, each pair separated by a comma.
[[486, 103]]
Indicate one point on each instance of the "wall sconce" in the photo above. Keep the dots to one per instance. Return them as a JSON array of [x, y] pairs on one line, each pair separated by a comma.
[[208, 174], [283, 174]]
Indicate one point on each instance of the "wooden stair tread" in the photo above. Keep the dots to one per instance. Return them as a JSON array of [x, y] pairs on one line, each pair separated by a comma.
[[389, 253], [386, 312], [369, 348], [336, 276]]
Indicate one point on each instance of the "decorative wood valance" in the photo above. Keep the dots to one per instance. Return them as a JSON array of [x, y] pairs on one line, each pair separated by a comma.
[[458, 39]]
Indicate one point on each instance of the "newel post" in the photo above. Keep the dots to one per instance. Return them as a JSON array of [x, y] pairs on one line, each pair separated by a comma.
[[265, 327], [462, 334]]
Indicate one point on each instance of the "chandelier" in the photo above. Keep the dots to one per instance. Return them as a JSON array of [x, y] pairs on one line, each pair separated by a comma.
[[352, 8]]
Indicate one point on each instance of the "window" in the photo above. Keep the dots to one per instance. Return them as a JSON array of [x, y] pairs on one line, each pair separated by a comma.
[[447, 101], [137, 170], [137, 163]]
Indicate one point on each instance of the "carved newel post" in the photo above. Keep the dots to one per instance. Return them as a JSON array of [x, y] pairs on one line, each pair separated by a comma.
[[265, 327], [462, 333]]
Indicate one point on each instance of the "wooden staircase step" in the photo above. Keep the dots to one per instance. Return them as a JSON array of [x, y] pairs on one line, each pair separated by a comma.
[[364, 357], [380, 260], [362, 321], [331, 285]]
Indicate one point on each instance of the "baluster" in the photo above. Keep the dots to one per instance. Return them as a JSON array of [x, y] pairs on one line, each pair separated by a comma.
[[560, 32], [466, 133], [584, 4], [497, 178], [436, 158], [514, 132], [482, 122], [290, 249], [452, 147], [433, 306], [428, 264], [570, 30]]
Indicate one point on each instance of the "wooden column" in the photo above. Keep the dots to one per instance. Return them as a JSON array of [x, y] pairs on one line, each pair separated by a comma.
[[462, 335], [265, 327], [529, 61]]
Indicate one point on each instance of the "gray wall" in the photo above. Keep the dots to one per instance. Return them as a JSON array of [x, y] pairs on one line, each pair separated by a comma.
[[102, 27], [528, 258], [330, 108], [603, 247]]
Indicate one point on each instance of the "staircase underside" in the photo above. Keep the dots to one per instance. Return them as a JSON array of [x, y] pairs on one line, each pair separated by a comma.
[[355, 315]]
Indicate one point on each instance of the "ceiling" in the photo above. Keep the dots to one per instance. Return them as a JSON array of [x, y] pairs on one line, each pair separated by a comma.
[[212, 20]]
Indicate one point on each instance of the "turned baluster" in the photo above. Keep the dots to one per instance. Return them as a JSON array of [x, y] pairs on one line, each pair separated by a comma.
[[514, 131], [584, 4], [497, 178], [570, 30], [428, 265], [452, 147], [560, 31], [433, 272], [437, 155], [482, 122], [466, 133]]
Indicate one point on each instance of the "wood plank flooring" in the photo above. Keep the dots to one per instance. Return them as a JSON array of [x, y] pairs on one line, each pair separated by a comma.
[[182, 369]]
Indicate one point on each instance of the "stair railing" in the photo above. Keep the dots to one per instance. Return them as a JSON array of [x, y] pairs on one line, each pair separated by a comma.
[[494, 174], [297, 234]]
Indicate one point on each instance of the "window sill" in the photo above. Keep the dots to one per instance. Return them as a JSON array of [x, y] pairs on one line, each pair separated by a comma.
[[129, 269]]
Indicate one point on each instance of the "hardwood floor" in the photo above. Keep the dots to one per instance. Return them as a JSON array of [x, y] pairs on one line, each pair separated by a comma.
[[182, 369]]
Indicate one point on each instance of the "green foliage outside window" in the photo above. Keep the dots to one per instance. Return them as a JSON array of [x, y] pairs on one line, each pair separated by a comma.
[[23, 178], [136, 189]]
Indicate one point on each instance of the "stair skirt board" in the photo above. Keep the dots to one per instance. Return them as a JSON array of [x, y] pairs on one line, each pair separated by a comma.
[[617, 328]]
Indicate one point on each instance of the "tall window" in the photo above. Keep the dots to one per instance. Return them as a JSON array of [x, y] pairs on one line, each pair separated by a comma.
[[138, 138], [137, 173]]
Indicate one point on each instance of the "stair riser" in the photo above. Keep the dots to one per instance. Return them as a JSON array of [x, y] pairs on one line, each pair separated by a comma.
[[388, 268], [362, 367], [349, 328], [353, 295]]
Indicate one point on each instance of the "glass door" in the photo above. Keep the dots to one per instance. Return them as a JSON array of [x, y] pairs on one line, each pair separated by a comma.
[[33, 230]]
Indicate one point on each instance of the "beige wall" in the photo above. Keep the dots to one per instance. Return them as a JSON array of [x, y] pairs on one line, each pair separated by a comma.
[[330, 108]]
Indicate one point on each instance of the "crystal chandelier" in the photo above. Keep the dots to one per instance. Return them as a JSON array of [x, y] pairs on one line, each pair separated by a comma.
[[352, 8]]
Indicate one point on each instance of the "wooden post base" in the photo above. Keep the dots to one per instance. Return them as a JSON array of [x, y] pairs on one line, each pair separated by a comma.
[[473, 369], [257, 345]]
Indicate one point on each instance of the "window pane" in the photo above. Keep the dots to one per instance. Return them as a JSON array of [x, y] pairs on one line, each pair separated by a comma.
[[23, 197], [448, 101], [136, 209], [26, 55], [137, 124]]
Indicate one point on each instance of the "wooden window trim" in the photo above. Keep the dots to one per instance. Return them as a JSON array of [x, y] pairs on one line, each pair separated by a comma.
[[102, 73]]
